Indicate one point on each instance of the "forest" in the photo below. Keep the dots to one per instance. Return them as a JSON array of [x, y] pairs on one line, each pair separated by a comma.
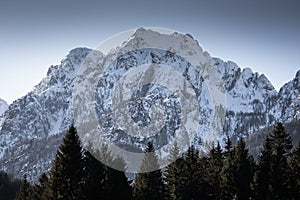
[[221, 174]]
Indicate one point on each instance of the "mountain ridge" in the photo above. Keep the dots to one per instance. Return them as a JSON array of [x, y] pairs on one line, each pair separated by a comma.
[[40, 118]]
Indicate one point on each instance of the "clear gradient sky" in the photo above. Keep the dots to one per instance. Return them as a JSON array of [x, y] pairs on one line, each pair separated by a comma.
[[263, 35]]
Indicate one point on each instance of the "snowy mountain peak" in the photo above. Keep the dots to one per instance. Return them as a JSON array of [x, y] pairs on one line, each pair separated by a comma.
[[62, 75], [3, 106], [247, 73], [287, 103], [291, 85], [74, 57], [297, 79], [33, 126], [298, 73], [265, 83], [182, 44], [77, 55]]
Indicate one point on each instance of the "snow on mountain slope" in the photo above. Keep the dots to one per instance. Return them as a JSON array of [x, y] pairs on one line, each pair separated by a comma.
[[3, 106], [288, 104], [34, 125], [249, 97]]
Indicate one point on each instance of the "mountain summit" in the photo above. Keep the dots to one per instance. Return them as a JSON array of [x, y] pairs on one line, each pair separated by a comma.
[[34, 125]]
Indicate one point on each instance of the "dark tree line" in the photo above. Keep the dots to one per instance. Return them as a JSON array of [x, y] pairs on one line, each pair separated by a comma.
[[8, 186], [76, 174], [225, 174]]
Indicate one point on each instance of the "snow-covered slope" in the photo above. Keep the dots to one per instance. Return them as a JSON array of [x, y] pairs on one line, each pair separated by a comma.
[[249, 97], [3, 106], [34, 125], [287, 106], [184, 58]]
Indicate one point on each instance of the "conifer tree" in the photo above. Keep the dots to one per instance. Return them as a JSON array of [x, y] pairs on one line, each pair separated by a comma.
[[192, 178], [262, 177], [173, 174], [215, 165], [95, 177], [105, 156], [294, 163], [242, 171], [67, 174], [8, 187], [149, 185], [25, 192], [103, 182], [281, 144], [120, 188], [228, 173], [40, 189], [228, 148]]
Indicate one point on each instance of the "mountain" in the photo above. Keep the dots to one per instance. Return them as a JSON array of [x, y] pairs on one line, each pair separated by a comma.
[[3, 106], [33, 126], [288, 103], [249, 98]]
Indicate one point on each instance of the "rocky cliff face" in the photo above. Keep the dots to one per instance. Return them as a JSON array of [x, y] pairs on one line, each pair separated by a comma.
[[249, 99], [287, 106], [33, 126]]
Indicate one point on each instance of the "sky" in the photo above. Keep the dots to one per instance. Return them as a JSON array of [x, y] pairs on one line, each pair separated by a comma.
[[263, 35]]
